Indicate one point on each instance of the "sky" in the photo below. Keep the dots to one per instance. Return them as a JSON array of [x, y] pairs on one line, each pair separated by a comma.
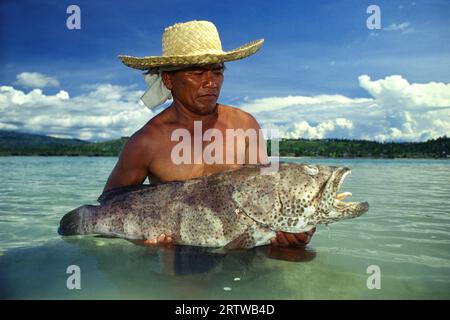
[[321, 73]]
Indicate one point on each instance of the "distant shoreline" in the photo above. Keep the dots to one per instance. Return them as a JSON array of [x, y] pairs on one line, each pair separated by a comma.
[[25, 144], [281, 157], [367, 158]]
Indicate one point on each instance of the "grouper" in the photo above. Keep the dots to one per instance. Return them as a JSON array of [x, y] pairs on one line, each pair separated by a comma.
[[239, 208]]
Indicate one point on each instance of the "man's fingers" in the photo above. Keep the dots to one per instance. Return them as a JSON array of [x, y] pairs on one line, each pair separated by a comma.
[[165, 239], [310, 233], [292, 239], [151, 241], [303, 237], [281, 239], [168, 240], [161, 239]]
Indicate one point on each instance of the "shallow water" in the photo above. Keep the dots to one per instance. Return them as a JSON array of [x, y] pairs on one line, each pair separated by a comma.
[[406, 233]]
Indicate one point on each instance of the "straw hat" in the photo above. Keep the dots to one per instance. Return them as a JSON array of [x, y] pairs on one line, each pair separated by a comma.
[[193, 42]]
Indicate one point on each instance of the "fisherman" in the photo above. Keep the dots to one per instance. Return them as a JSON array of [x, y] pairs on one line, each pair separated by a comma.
[[191, 71]]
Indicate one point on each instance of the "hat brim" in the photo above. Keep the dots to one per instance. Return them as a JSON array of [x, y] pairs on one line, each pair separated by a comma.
[[144, 63]]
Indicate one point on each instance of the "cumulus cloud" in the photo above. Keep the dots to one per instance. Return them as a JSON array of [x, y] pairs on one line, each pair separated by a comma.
[[277, 103], [36, 80], [340, 126], [105, 111], [397, 110], [395, 90]]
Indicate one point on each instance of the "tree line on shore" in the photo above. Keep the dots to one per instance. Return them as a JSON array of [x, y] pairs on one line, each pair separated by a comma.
[[345, 148], [25, 144]]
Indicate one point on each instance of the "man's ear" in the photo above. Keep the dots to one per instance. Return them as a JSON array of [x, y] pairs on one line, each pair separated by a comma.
[[167, 79]]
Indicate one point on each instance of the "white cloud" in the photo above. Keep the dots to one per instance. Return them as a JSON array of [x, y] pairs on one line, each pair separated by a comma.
[[302, 129], [277, 103], [397, 110], [36, 80], [396, 90], [404, 27], [105, 112]]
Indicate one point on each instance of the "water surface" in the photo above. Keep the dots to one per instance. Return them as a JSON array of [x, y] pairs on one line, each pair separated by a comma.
[[406, 234]]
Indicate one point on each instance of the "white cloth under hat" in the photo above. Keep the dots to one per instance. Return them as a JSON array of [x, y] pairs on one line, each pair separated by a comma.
[[157, 93]]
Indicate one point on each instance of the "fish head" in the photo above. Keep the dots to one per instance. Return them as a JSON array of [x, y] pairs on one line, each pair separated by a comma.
[[310, 195], [331, 206]]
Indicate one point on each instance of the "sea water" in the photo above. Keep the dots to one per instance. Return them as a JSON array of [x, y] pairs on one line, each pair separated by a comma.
[[400, 249]]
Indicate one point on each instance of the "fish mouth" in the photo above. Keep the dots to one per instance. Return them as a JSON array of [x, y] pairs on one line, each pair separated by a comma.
[[343, 208]]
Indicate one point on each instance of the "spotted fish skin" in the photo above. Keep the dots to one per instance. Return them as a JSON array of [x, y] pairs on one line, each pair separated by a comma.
[[238, 208]]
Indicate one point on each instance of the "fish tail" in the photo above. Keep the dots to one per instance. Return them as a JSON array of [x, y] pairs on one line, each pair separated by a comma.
[[73, 222]]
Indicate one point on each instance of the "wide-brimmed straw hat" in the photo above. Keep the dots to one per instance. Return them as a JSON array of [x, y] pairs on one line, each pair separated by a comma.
[[188, 43]]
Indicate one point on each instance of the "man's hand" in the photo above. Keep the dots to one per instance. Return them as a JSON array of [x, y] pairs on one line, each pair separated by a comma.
[[292, 239], [162, 240], [282, 239]]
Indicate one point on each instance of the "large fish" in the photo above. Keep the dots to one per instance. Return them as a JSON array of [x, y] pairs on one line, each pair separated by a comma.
[[238, 208]]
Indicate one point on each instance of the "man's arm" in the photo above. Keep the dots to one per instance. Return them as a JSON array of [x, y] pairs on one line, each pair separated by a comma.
[[132, 169], [261, 156], [132, 166]]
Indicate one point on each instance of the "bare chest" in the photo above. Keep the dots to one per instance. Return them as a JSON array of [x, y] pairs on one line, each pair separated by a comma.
[[186, 154]]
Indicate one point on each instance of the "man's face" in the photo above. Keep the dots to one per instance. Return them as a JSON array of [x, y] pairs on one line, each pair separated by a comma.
[[197, 88]]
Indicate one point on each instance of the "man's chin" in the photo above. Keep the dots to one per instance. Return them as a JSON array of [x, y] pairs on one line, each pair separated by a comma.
[[205, 109]]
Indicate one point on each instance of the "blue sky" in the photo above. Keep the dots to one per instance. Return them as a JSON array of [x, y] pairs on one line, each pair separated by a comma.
[[312, 49]]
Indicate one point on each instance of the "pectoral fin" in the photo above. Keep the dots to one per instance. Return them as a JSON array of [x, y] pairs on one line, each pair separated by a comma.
[[254, 236]]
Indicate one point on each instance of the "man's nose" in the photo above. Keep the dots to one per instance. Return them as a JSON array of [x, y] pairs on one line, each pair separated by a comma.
[[210, 80]]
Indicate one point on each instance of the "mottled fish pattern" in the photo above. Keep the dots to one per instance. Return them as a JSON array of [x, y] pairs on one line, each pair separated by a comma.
[[238, 208]]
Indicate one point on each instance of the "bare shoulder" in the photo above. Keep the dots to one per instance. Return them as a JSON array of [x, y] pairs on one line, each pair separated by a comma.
[[234, 111], [240, 116], [143, 142]]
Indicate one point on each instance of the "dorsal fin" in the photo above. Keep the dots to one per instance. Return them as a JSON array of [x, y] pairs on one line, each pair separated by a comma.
[[110, 194]]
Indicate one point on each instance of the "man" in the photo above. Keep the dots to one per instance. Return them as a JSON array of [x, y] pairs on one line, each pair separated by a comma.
[[191, 71]]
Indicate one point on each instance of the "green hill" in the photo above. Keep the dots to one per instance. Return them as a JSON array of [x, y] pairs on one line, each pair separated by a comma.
[[12, 139], [26, 144]]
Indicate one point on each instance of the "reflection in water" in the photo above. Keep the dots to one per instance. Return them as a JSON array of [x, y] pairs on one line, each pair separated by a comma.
[[118, 269], [177, 260], [179, 272], [183, 260], [294, 254]]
